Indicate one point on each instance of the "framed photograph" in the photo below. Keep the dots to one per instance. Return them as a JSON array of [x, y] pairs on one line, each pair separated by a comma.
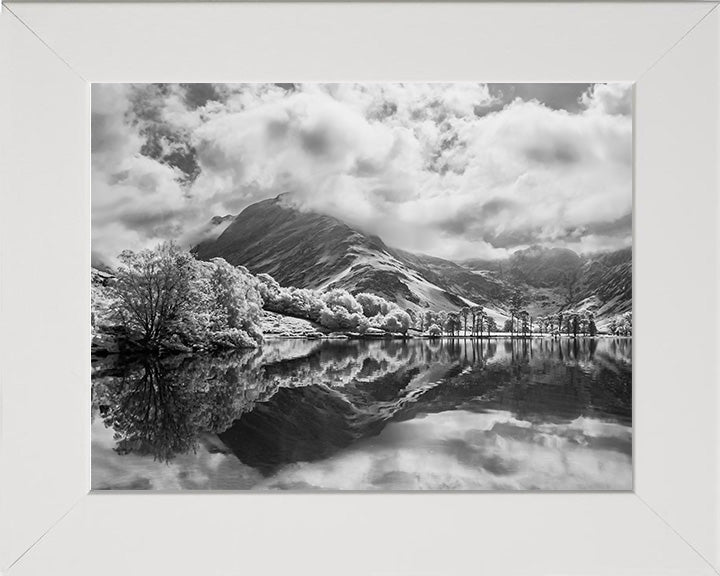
[[297, 280]]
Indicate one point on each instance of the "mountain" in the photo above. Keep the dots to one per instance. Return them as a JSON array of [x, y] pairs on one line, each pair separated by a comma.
[[536, 266], [543, 267], [311, 250], [219, 220], [605, 282], [558, 278]]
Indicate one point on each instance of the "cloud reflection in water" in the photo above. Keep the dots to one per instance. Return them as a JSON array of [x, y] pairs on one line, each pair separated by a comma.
[[370, 416]]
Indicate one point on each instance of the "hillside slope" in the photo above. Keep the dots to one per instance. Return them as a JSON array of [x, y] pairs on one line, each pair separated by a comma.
[[311, 250], [559, 279]]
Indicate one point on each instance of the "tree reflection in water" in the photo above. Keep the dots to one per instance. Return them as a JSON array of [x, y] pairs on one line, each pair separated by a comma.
[[160, 406], [300, 401]]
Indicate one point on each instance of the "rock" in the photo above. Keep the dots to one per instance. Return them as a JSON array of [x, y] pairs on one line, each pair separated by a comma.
[[374, 333], [337, 336], [278, 326]]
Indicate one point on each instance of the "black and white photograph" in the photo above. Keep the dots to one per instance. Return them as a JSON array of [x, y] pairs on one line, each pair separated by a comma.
[[362, 287]]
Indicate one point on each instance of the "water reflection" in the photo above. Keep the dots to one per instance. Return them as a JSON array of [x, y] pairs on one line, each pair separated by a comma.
[[490, 414]]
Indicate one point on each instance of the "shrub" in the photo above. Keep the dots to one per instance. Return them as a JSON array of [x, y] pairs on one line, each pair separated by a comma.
[[339, 298], [373, 305], [397, 321], [237, 300], [434, 331], [336, 309], [621, 325], [384, 315], [269, 289], [233, 338], [299, 302], [338, 318]]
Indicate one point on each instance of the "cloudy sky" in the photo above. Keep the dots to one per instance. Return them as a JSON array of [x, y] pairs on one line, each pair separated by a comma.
[[453, 170]]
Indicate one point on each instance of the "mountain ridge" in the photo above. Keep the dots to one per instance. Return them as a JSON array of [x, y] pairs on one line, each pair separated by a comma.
[[311, 250]]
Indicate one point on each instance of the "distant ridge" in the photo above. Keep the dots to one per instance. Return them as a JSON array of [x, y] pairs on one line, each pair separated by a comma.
[[311, 250]]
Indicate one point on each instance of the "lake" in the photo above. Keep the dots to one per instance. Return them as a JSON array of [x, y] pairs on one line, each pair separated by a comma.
[[491, 414]]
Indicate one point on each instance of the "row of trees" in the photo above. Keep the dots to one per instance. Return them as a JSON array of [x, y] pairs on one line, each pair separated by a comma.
[[478, 320], [335, 309], [164, 297], [469, 320], [570, 323], [475, 322]]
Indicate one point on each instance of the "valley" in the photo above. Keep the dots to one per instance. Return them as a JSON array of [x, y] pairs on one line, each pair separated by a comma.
[[310, 250]]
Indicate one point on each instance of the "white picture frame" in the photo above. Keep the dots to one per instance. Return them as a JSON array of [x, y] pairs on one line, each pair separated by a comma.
[[51, 524]]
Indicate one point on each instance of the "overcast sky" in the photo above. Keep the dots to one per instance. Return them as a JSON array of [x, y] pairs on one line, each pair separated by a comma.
[[453, 170]]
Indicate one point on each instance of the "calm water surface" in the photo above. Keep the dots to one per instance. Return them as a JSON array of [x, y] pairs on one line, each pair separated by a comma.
[[385, 415]]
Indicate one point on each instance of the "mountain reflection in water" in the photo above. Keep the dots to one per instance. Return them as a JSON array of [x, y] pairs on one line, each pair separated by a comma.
[[391, 415]]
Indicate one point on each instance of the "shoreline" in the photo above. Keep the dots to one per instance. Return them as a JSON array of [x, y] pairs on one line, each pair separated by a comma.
[[504, 336], [104, 353]]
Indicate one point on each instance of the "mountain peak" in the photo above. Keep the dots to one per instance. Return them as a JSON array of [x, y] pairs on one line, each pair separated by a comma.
[[538, 250], [217, 220], [306, 249], [273, 236]]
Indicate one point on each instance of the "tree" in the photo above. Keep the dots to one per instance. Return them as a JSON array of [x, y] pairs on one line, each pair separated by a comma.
[[452, 323], [340, 318], [481, 318], [592, 329], [397, 321], [235, 304], [627, 318], [621, 325], [491, 325], [584, 323], [434, 331], [373, 305], [165, 299], [339, 298], [464, 313], [569, 282], [429, 319], [552, 324], [269, 289], [542, 323], [508, 325], [516, 303], [524, 318], [154, 291], [441, 318]]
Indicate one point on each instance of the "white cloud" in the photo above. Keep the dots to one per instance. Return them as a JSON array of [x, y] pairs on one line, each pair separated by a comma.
[[615, 99], [428, 167]]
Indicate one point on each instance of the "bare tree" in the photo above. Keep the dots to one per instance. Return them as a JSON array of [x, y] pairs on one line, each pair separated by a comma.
[[517, 301], [154, 290]]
